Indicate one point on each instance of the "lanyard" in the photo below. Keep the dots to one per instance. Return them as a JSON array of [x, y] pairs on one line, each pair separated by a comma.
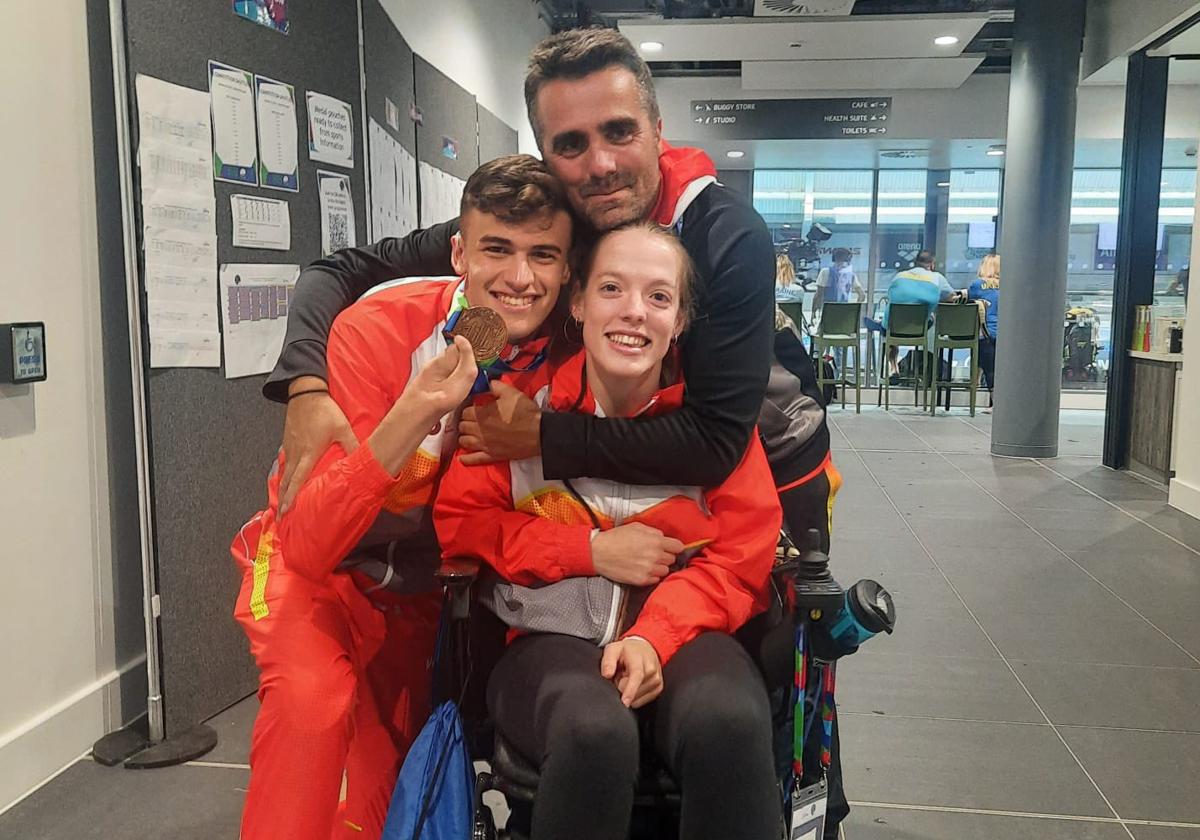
[[825, 689]]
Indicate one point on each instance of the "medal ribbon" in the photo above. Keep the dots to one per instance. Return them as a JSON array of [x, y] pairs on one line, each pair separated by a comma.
[[496, 367]]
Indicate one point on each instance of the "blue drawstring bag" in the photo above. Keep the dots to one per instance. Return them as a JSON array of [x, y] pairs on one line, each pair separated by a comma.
[[433, 799]]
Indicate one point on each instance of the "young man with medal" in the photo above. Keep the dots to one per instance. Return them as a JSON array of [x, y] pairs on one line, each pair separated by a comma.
[[338, 598]]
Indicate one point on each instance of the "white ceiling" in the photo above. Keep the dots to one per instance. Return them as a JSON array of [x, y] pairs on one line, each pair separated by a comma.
[[834, 38], [863, 74]]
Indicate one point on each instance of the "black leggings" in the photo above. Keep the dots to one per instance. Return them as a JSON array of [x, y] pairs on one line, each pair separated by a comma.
[[987, 361], [711, 725]]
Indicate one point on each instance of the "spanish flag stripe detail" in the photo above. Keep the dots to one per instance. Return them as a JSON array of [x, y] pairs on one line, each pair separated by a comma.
[[262, 567], [835, 484], [820, 468]]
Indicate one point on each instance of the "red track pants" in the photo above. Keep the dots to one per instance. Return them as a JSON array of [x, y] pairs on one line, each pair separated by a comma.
[[344, 687]]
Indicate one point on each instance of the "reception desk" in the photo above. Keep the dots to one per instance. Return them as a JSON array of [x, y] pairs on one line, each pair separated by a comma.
[[1152, 427]]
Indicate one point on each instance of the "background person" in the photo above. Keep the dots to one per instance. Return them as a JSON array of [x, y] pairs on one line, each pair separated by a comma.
[[838, 282], [986, 288], [787, 290], [564, 693], [919, 284]]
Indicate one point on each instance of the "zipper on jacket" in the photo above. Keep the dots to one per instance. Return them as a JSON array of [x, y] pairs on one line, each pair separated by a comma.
[[616, 614]]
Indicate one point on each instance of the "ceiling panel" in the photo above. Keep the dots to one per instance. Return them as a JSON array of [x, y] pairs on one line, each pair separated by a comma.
[[874, 36], [862, 74], [778, 8]]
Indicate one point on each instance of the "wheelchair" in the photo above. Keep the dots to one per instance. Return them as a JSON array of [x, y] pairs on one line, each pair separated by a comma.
[[475, 639]]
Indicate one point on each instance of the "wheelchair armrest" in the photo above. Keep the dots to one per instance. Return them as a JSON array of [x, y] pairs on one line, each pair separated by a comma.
[[457, 572]]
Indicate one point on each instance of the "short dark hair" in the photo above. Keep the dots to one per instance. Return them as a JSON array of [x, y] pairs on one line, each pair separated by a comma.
[[924, 258], [514, 189], [577, 53], [842, 255]]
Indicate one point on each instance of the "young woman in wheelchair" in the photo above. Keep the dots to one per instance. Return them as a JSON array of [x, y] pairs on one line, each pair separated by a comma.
[[622, 599]]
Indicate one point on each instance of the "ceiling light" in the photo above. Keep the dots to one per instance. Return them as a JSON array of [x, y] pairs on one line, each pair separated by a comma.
[[943, 183], [941, 40], [735, 154], [995, 152], [651, 46]]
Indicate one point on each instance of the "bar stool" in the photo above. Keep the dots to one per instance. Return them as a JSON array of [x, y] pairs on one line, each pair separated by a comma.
[[839, 329], [907, 326], [955, 326]]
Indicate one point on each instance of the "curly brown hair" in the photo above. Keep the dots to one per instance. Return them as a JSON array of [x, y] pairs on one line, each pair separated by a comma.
[[577, 53], [514, 189]]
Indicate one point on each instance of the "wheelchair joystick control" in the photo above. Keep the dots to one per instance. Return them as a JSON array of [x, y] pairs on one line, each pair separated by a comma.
[[843, 618], [817, 593]]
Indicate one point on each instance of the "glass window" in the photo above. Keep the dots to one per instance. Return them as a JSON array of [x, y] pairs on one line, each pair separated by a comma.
[[1091, 264], [1176, 208], [794, 202], [971, 224], [900, 225]]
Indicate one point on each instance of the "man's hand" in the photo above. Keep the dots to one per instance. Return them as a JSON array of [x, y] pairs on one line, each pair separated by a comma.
[[313, 422], [442, 385], [633, 666], [634, 553], [507, 428]]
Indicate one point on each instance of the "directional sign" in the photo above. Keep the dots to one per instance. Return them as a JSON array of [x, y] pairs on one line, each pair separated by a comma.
[[791, 119]]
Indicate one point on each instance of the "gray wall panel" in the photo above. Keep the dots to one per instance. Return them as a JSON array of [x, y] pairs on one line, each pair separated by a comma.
[[496, 137], [448, 111], [212, 439]]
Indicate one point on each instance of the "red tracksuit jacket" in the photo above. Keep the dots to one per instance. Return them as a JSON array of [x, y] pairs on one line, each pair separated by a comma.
[[533, 530]]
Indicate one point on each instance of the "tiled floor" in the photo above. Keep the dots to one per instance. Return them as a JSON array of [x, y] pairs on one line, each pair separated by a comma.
[[1043, 681]]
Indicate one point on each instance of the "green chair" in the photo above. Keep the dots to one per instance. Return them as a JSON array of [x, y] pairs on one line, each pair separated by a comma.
[[907, 326], [955, 327], [795, 311], [839, 329]]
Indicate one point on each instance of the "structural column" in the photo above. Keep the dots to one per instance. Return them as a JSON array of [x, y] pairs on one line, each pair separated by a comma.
[[1137, 237], [1047, 39]]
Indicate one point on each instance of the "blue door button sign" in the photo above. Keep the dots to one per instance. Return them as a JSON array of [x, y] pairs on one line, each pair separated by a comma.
[[23, 352]]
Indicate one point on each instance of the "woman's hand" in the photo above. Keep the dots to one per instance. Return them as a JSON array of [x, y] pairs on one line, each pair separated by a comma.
[[632, 665]]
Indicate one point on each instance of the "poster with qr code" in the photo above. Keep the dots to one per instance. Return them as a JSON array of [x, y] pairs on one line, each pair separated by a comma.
[[337, 212]]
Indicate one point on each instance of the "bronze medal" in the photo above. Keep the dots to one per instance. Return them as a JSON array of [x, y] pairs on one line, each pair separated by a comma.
[[484, 329]]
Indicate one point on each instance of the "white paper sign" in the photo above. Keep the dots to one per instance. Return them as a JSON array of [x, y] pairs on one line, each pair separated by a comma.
[[173, 114], [255, 299], [330, 130], [441, 195], [260, 222], [337, 212], [171, 348], [275, 103], [235, 155], [393, 185], [165, 166], [164, 208], [180, 247]]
